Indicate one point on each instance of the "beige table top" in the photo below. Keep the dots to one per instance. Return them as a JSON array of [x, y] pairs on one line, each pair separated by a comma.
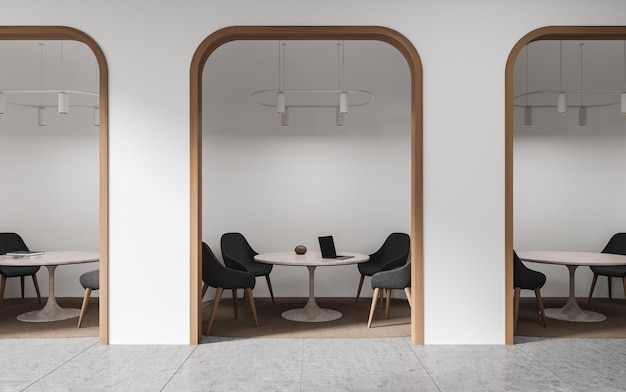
[[573, 258], [309, 259], [52, 258]]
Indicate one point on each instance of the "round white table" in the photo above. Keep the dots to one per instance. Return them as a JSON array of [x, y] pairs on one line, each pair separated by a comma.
[[572, 260], [50, 259], [311, 311]]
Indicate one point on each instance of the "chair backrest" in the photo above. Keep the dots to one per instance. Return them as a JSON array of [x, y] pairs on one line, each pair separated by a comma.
[[210, 267], [616, 245], [525, 277], [395, 250], [236, 250], [10, 242]]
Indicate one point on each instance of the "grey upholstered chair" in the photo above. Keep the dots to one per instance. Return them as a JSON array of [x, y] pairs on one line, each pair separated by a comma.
[[525, 278], [214, 274], [239, 255], [90, 281], [616, 245], [10, 242], [393, 253], [397, 278]]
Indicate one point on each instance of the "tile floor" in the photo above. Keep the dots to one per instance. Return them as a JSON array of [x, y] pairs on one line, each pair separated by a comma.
[[269, 365]]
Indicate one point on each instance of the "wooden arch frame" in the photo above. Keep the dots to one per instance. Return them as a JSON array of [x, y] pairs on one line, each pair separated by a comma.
[[48, 33], [544, 33], [375, 33]]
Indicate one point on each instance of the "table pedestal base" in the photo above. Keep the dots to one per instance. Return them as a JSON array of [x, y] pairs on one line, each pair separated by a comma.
[[572, 312], [51, 310], [311, 313]]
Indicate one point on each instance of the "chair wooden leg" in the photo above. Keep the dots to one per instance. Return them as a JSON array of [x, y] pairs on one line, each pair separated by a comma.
[[373, 307], [387, 303], [252, 306], [269, 285], [22, 283], [407, 291], [516, 307], [83, 308], [205, 287], [593, 286], [358, 291], [2, 286], [34, 276], [235, 303], [541, 308], [216, 301]]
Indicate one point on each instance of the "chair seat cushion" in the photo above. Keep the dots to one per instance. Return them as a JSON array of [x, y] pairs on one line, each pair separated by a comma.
[[11, 272], [90, 280], [617, 271]]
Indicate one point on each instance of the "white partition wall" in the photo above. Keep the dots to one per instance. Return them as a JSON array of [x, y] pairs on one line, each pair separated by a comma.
[[463, 47]]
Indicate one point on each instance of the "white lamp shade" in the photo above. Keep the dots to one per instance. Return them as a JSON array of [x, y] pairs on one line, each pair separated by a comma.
[[41, 117], [63, 103], [284, 118], [582, 117], [339, 120], [623, 103], [528, 117], [561, 104], [3, 103], [96, 117], [343, 103], [280, 103]]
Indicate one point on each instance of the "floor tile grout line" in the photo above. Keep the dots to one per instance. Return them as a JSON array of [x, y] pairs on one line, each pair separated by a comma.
[[61, 365], [409, 344], [180, 367]]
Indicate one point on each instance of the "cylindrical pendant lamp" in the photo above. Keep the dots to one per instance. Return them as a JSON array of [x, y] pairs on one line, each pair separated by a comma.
[[339, 118], [284, 118], [561, 104], [280, 103], [63, 103], [343, 103], [528, 116]]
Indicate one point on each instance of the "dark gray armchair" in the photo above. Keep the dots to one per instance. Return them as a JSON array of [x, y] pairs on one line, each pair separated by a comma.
[[617, 246], [525, 278], [216, 275], [393, 253], [11, 242], [239, 255], [398, 278]]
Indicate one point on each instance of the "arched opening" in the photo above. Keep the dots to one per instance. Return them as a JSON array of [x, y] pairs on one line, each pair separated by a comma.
[[388, 36], [60, 33], [546, 33]]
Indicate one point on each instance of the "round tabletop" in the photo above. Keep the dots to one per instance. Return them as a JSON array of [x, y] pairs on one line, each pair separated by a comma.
[[51, 258], [573, 258], [309, 259]]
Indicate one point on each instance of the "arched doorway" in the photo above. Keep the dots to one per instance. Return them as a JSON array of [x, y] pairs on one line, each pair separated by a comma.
[[388, 36], [545, 33], [44, 33]]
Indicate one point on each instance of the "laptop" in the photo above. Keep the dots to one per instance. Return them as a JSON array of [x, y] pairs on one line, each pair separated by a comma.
[[327, 246]]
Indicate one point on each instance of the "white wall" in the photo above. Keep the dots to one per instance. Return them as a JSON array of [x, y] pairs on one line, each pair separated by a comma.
[[463, 46]]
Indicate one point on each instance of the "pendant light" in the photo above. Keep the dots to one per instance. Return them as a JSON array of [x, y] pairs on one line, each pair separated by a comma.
[[41, 110], [63, 100], [280, 96], [561, 104], [343, 95], [582, 111], [528, 111]]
